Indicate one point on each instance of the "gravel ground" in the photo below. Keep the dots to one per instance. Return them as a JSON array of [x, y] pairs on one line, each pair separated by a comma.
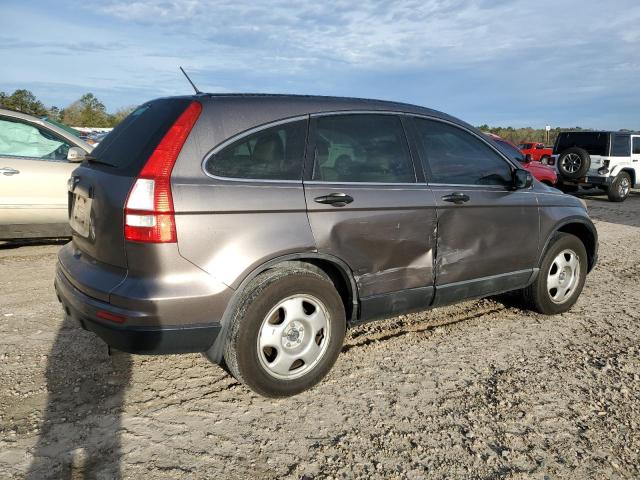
[[477, 390]]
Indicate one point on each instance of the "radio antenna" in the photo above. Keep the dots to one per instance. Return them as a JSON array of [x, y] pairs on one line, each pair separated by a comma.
[[189, 80]]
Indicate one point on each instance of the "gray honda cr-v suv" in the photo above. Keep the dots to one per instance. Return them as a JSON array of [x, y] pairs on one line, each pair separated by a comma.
[[256, 228]]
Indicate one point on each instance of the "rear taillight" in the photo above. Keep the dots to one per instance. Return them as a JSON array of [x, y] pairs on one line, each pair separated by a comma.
[[149, 215]]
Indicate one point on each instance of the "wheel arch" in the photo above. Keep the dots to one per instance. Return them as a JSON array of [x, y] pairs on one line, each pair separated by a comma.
[[582, 229], [632, 174], [335, 268]]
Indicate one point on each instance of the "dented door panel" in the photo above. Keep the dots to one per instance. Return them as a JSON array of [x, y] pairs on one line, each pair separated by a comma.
[[386, 235], [495, 232]]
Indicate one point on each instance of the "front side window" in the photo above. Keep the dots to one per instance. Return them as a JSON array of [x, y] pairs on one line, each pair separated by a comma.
[[20, 139], [275, 153], [456, 157], [367, 148], [636, 145]]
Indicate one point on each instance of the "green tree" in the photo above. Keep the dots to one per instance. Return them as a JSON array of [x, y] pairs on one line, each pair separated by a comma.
[[88, 111], [120, 114], [23, 101], [54, 113]]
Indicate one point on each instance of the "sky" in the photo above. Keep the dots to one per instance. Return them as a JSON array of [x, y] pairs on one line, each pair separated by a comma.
[[523, 63]]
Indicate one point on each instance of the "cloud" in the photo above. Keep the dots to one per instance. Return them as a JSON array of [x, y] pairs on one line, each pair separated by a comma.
[[485, 60], [381, 34]]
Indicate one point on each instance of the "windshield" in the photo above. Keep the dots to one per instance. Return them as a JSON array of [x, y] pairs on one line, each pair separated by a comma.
[[510, 151], [66, 128]]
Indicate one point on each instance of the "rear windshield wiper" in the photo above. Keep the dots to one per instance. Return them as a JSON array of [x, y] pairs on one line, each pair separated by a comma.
[[91, 159]]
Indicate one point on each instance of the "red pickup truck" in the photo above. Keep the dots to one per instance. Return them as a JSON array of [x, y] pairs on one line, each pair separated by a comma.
[[538, 152]]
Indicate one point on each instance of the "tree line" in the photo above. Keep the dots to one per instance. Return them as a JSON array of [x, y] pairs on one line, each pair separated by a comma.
[[87, 111], [527, 134]]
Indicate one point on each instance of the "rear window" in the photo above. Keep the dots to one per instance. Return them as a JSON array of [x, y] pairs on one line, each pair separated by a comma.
[[131, 143], [596, 143]]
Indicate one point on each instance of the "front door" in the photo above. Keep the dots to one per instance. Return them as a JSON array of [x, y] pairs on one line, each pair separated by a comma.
[[487, 232], [366, 207], [635, 157]]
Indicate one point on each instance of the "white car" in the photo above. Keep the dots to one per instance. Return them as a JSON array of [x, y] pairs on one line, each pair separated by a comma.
[[604, 159], [36, 161]]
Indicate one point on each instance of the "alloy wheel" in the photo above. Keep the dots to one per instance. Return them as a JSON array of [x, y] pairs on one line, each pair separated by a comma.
[[571, 162]]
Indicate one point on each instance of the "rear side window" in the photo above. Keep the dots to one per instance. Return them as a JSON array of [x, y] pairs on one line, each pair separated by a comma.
[[362, 148], [21, 139], [596, 143], [620, 146], [636, 145], [274, 153], [131, 143], [456, 157]]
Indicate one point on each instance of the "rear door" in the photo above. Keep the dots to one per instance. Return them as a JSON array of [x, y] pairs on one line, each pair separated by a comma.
[[33, 175], [487, 233], [368, 207]]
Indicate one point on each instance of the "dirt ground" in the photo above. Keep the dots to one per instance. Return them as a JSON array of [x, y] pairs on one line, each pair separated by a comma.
[[477, 390]]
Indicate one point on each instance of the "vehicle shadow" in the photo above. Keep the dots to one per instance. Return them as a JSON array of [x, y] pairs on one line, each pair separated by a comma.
[[80, 432]]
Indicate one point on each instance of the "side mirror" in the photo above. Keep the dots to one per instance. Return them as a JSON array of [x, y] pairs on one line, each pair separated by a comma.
[[522, 179], [76, 154], [528, 158]]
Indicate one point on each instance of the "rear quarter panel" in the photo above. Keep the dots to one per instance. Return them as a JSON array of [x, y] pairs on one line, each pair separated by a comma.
[[228, 227]]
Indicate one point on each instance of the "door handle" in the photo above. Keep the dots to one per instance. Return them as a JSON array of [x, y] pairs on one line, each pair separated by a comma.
[[457, 198], [9, 171], [335, 199]]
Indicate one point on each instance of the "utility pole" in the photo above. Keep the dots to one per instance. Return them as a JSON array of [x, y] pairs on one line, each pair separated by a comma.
[[548, 130]]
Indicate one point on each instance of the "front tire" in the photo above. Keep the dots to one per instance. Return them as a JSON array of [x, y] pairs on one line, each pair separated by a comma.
[[287, 331], [620, 188], [561, 277]]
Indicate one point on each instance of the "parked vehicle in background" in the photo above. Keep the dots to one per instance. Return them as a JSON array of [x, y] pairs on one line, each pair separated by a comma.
[[255, 228], [541, 172], [538, 151], [36, 161], [604, 159], [95, 138]]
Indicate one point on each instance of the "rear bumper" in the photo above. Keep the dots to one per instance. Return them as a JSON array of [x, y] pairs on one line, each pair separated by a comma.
[[588, 180], [153, 339]]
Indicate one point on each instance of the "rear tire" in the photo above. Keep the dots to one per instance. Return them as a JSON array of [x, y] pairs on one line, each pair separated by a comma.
[[620, 188], [287, 331], [561, 277]]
